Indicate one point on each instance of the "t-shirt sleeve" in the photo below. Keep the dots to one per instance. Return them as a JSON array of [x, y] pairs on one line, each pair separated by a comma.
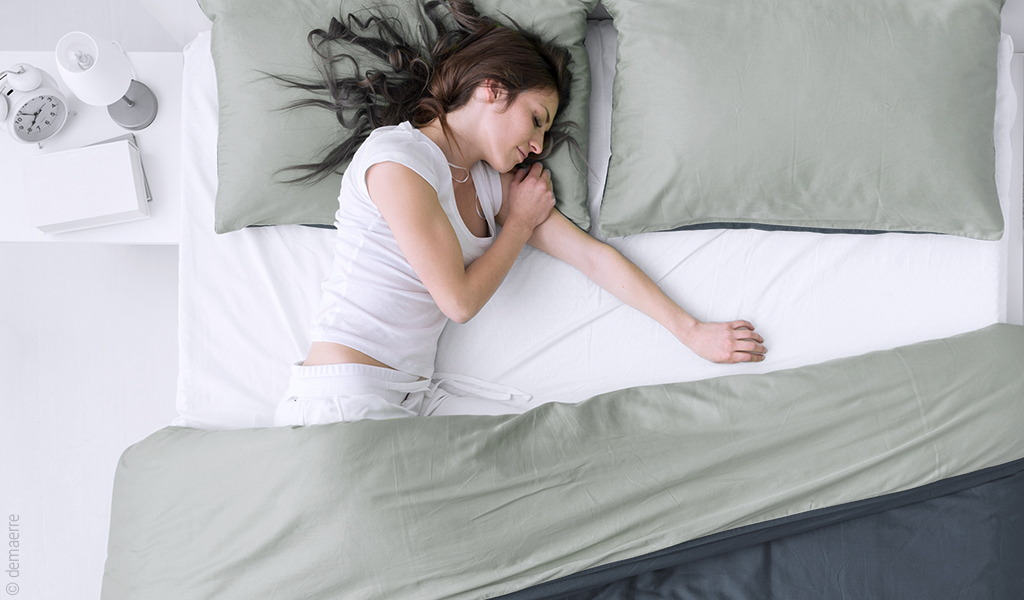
[[399, 148]]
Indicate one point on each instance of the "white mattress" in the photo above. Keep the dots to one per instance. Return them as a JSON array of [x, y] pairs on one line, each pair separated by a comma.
[[246, 299]]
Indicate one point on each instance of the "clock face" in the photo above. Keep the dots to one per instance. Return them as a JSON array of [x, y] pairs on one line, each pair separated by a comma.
[[39, 117]]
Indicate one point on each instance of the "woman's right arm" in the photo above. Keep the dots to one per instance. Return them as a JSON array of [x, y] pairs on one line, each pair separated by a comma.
[[728, 342], [411, 208]]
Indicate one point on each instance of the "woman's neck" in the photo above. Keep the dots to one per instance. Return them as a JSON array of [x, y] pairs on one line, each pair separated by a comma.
[[457, 150]]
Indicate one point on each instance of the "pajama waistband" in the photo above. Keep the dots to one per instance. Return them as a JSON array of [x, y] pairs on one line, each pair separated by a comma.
[[352, 378], [463, 394]]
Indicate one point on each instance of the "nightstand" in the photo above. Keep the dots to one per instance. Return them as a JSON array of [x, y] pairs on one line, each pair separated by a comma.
[[159, 145]]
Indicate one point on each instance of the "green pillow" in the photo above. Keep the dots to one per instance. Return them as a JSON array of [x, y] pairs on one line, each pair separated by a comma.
[[808, 114], [256, 138]]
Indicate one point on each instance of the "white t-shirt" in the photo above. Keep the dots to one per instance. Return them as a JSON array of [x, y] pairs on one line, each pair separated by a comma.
[[373, 301]]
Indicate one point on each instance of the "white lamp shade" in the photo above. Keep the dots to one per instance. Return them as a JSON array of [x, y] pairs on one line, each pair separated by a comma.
[[101, 83]]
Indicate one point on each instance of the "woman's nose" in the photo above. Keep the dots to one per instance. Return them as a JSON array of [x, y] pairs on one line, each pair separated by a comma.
[[537, 144]]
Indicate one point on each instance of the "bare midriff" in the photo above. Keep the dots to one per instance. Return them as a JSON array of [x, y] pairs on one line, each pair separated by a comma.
[[329, 353]]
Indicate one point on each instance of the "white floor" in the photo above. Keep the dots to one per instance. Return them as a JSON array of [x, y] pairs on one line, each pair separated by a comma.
[[88, 366]]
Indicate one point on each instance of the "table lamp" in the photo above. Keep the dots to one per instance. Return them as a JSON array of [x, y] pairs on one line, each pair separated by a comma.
[[98, 72]]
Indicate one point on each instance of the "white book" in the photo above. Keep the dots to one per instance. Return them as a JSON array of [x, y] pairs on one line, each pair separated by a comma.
[[86, 187]]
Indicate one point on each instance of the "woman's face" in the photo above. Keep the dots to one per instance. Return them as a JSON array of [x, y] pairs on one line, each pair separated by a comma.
[[518, 131]]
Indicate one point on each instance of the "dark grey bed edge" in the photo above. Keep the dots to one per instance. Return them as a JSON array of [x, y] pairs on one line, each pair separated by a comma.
[[996, 493]]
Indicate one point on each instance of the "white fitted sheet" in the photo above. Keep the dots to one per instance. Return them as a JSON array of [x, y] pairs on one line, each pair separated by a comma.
[[246, 299]]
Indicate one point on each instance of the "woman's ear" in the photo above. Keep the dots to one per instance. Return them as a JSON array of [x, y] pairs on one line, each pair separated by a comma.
[[491, 91]]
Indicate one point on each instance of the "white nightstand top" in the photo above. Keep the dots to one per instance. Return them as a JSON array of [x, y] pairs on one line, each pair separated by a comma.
[[160, 145]]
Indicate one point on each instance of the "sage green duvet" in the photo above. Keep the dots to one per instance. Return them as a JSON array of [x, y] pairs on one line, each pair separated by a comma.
[[474, 507]]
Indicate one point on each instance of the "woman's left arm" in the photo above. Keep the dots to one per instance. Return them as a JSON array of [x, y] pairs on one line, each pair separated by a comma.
[[730, 342]]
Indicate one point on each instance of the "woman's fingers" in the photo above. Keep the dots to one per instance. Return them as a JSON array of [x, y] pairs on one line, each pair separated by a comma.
[[536, 170], [730, 342], [749, 344], [747, 357], [744, 334], [530, 198], [522, 173]]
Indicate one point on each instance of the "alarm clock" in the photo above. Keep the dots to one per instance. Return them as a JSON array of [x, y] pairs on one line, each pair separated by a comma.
[[32, 106]]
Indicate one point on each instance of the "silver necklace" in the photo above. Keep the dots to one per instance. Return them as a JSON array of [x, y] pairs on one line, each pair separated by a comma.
[[461, 168], [454, 166]]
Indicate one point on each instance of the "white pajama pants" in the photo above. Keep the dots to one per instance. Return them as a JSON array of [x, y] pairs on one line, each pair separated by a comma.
[[352, 392]]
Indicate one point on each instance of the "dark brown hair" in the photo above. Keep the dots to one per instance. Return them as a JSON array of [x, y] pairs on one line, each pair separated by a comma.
[[422, 77]]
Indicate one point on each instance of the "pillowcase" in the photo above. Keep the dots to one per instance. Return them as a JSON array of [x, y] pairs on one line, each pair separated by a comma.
[[826, 115], [257, 138]]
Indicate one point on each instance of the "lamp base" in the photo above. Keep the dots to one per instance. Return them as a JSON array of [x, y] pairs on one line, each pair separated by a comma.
[[136, 110]]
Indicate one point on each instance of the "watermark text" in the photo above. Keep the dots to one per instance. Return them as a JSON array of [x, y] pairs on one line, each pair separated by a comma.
[[13, 569]]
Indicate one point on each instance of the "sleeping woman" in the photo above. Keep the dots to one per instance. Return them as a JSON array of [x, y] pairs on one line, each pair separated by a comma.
[[444, 188]]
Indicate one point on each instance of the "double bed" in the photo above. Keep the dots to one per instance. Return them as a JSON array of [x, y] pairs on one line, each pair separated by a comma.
[[876, 452]]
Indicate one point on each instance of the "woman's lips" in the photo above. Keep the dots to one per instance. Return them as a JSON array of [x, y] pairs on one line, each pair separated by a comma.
[[522, 156]]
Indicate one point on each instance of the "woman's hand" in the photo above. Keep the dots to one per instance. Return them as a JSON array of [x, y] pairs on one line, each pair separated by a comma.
[[530, 199], [724, 342]]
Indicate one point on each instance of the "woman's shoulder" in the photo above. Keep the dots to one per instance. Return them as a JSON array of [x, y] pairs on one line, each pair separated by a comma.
[[405, 145], [401, 137]]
